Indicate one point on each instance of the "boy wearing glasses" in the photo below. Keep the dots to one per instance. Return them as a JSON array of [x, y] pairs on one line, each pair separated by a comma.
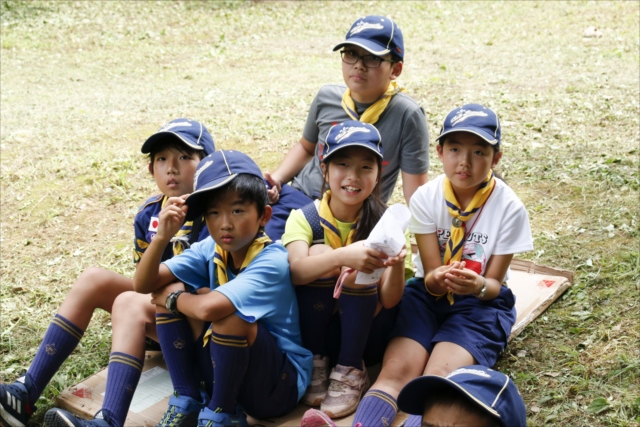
[[372, 59]]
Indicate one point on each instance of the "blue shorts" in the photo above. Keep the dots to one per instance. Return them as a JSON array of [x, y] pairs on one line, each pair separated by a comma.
[[270, 388], [480, 327], [290, 199]]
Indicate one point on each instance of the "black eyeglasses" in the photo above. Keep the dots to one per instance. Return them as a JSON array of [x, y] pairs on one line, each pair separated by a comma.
[[369, 61]]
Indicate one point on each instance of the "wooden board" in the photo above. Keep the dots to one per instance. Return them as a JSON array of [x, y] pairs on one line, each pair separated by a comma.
[[534, 286]]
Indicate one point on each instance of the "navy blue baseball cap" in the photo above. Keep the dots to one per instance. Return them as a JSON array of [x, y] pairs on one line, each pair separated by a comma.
[[473, 118], [193, 134], [352, 133], [376, 34], [491, 391], [215, 171]]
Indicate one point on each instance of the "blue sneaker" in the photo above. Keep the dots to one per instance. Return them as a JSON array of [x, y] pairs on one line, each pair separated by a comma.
[[15, 409], [60, 418], [182, 411], [209, 418]]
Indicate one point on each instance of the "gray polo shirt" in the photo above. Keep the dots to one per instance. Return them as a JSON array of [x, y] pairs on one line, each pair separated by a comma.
[[402, 126]]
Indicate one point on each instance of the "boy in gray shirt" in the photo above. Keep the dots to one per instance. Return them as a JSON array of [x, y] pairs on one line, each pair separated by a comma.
[[372, 59]]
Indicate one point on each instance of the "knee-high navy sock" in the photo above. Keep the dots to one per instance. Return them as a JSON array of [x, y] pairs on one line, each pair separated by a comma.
[[122, 379], [204, 365], [315, 304], [59, 341], [357, 309], [376, 408], [178, 349], [230, 357]]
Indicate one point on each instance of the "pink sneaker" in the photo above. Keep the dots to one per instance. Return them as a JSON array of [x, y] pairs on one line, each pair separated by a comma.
[[346, 386], [317, 390], [315, 418]]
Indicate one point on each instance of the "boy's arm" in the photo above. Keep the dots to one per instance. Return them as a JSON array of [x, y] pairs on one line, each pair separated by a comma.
[[411, 182], [210, 307], [150, 274], [299, 155]]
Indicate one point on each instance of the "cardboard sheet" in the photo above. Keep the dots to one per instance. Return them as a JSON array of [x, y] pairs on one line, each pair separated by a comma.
[[535, 287]]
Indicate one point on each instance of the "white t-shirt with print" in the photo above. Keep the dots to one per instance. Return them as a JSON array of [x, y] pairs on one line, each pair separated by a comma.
[[500, 228]]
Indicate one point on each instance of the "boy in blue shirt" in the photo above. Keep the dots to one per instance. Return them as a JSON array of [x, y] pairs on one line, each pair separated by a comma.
[[174, 152], [250, 314]]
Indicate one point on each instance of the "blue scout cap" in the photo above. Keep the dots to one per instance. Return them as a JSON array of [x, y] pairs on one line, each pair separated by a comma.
[[193, 134], [473, 118], [376, 34], [492, 391], [352, 133], [213, 172]]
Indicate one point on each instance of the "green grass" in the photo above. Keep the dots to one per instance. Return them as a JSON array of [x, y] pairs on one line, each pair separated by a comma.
[[84, 83]]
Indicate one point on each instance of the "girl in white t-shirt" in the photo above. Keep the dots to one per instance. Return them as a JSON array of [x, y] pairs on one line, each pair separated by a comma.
[[468, 224], [324, 239]]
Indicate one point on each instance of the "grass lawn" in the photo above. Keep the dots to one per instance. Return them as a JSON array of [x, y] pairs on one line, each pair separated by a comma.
[[84, 83]]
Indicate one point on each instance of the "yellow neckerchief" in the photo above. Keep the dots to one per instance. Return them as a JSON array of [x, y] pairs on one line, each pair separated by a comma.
[[455, 244], [371, 114], [180, 241], [328, 222], [221, 258]]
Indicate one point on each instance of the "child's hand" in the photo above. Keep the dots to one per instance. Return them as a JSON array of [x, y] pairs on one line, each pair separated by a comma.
[[462, 281], [171, 217], [398, 259], [276, 187], [362, 258]]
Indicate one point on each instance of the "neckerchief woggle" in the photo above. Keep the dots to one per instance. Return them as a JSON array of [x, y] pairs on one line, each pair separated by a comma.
[[455, 244], [371, 114], [328, 222], [222, 257]]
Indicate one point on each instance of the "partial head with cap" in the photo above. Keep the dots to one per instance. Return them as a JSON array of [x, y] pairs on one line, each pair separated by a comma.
[[231, 194], [478, 395], [174, 152]]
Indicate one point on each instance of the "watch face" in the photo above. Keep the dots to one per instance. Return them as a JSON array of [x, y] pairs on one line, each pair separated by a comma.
[[167, 302]]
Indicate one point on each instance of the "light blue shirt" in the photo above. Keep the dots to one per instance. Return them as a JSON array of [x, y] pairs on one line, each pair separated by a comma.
[[262, 292]]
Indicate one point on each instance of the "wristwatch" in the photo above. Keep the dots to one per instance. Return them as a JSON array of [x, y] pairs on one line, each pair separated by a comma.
[[484, 288], [171, 303]]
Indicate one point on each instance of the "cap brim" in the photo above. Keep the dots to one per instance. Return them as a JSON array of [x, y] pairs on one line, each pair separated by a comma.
[[413, 396], [486, 136], [196, 200], [153, 139], [353, 144], [366, 44]]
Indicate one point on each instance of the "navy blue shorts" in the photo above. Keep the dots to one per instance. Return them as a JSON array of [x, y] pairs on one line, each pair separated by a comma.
[[270, 388], [290, 199], [480, 327]]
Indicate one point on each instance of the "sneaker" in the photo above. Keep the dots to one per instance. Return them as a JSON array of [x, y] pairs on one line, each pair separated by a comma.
[[315, 418], [209, 418], [15, 409], [317, 390], [60, 418], [347, 384], [182, 411]]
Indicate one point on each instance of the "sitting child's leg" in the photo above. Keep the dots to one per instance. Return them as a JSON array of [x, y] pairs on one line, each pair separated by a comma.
[[94, 288], [133, 317], [357, 305]]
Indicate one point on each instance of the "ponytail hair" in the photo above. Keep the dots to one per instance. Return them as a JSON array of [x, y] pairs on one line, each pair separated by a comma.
[[372, 208]]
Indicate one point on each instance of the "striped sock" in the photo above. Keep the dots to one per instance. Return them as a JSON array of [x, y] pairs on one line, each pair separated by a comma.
[[230, 356], [59, 341], [178, 349], [122, 380], [316, 306], [357, 309], [376, 408], [413, 421]]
